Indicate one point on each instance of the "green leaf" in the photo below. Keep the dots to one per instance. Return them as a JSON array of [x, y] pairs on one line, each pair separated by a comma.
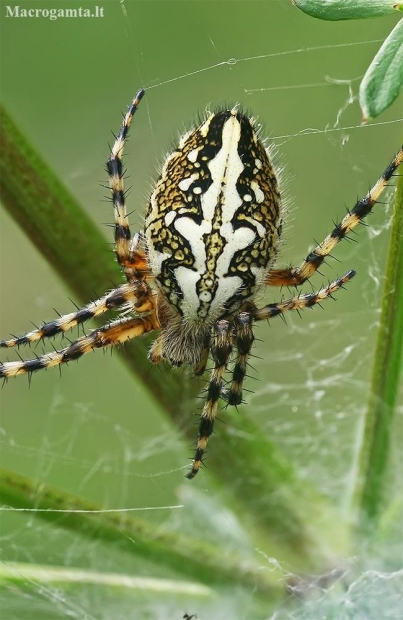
[[384, 77], [335, 10]]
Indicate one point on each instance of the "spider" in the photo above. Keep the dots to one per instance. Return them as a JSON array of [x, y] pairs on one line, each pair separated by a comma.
[[208, 245]]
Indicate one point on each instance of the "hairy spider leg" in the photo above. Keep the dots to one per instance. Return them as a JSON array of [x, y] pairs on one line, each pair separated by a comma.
[[116, 332], [244, 339], [298, 275], [135, 296], [132, 295], [302, 301], [132, 260], [221, 348]]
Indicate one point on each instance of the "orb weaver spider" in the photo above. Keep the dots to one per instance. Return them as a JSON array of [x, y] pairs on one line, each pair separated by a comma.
[[209, 244]]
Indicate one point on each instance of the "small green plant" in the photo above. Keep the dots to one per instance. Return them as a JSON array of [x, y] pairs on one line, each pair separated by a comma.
[[383, 79]]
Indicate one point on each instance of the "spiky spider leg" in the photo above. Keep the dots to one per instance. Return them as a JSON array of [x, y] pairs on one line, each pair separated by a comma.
[[116, 332], [244, 339], [302, 301], [221, 349], [135, 295], [299, 275], [132, 260]]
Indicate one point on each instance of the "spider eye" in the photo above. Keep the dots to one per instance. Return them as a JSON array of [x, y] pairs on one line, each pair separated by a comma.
[[213, 219]]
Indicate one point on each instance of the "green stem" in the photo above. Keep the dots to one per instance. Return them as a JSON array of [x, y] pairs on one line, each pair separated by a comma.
[[378, 425]]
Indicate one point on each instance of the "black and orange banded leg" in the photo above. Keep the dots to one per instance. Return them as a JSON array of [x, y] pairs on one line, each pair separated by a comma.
[[299, 275], [221, 349], [244, 340], [135, 296], [302, 301], [116, 332], [129, 257]]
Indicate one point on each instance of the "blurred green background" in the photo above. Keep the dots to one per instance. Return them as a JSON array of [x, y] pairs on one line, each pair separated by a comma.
[[96, 433]]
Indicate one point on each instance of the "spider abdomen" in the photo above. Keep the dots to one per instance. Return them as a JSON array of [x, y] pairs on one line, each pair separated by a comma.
[[214, 219]]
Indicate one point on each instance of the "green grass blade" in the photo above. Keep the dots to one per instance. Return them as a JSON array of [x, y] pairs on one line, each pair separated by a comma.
[[19, 573], [373, 462], [187, 556]]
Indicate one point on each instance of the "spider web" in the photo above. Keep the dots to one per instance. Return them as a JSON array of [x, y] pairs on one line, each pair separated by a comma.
[[99, 435]]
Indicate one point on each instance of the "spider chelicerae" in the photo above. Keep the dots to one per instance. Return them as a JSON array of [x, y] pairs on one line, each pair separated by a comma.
[[208, 245]]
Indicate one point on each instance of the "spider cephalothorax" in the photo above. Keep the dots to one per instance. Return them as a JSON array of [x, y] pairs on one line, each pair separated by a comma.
[[209, 242]]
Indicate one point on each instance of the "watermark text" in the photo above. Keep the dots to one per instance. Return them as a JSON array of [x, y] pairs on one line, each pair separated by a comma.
[[17, 11]]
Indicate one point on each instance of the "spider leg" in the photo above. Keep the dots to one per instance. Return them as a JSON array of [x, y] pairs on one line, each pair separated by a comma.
[[299, 275], [135, 296], [132, 260], [116, 332], [244, 340], [302, 301], [221, 349]]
